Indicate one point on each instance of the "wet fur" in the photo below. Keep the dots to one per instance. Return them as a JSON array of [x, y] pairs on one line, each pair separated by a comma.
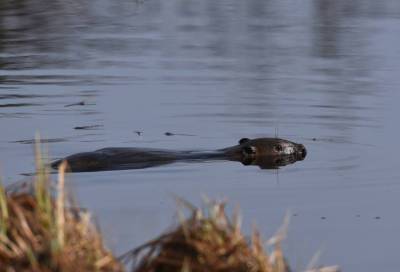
[[270, 153]]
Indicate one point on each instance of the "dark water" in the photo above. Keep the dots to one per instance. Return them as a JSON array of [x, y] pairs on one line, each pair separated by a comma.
[[219, 70]]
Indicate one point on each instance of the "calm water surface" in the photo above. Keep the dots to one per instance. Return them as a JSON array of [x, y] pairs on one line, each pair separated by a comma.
[[218, 70]]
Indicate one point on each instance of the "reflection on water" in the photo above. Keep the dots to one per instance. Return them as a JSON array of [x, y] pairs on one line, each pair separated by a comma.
[[320, 72]]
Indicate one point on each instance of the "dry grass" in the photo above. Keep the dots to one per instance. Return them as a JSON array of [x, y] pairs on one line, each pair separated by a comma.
[[41, 233], [203, 243], [208, 241]]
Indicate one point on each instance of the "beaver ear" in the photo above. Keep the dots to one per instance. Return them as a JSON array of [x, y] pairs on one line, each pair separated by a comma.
[[243, 140]]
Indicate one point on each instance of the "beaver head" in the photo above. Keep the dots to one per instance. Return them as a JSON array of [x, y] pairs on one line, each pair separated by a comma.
[[266, 152]]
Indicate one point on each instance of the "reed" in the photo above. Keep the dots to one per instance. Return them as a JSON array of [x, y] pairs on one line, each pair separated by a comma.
[[41, 232], [209, 241]]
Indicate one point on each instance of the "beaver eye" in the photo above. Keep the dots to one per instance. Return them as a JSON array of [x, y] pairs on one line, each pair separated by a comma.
[[278, 148], [249, 150]]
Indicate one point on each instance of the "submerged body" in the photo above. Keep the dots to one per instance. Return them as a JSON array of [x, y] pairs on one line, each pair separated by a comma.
[[268, 153]]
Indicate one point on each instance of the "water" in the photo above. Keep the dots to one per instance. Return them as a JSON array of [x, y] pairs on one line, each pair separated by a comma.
[[219, 70]]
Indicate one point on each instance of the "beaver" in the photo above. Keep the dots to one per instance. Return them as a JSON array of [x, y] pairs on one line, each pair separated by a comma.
[[267, 153]]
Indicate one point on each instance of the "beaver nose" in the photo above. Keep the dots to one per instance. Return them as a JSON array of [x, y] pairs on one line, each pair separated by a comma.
[[303, 152]]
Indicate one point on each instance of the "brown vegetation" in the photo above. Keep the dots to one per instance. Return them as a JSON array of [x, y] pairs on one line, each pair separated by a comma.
[[207, 241], [41, 233]]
